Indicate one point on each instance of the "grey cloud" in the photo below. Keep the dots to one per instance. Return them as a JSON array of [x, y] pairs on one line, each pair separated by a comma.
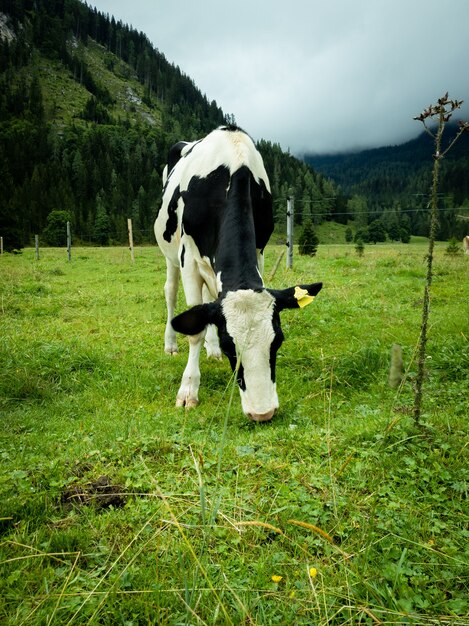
[[312, 75]]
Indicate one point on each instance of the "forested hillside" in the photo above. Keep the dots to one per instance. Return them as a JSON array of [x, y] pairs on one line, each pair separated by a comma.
[[88, 110], [394, 182]]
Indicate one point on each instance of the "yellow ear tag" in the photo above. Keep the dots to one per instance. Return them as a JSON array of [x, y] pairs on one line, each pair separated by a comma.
[[303, 297]]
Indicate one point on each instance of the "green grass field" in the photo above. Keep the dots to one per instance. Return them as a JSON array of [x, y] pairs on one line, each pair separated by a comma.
[[117, 508]]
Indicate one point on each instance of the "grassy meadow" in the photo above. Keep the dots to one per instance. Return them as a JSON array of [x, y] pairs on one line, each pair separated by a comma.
[[118, 508]]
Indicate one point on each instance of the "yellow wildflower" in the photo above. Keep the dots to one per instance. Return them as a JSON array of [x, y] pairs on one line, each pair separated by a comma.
[[313, 572], [276, 579]]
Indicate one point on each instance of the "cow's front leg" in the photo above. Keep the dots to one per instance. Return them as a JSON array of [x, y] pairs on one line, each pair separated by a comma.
[[212, 344], [188, 394], [170, 292]]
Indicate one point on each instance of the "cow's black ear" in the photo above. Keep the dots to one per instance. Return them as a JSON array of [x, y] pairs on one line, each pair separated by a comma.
[[295, 297], [193, 321]]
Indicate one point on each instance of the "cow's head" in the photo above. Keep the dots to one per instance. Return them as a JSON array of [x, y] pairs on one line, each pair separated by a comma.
[[249, 329]]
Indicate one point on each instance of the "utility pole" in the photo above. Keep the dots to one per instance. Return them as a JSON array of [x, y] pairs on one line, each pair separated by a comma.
[[131, 239], [290, 213], [69, 242]]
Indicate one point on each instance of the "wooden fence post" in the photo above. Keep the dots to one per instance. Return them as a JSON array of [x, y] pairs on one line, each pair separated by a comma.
[[1, 245], [36, 245], [290, 211], [277, 263], [131, 239], [396, 371], [69, 242]]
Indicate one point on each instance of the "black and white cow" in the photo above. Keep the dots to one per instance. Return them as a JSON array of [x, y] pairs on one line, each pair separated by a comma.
[[213, 225]]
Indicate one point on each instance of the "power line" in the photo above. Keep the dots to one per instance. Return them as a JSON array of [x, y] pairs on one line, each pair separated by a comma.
[[441, 196], [371, 211]]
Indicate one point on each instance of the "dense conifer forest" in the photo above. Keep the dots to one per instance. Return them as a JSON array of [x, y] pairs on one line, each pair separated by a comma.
[[393, 183], [88, 110]]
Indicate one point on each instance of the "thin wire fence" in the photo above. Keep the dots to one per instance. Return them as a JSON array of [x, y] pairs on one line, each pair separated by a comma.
[[303, 209]]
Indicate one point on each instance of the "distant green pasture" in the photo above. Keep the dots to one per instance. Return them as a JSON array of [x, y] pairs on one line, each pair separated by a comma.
[[118, 508]]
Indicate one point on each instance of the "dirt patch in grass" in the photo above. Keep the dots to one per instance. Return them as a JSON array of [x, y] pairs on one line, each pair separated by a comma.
[[101, 493]]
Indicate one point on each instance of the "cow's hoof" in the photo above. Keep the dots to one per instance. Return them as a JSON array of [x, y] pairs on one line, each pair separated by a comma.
[[171, 351], [188, 403]]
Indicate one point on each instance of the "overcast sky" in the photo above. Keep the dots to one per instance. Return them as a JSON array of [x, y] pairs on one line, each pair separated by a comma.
[[317, 76]]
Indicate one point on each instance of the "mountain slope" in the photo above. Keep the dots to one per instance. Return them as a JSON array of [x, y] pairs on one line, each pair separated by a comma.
[[88, 111], [402, 169]]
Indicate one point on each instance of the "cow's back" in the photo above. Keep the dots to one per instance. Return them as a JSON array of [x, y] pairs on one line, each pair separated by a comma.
[[225, 146], [201, 171]]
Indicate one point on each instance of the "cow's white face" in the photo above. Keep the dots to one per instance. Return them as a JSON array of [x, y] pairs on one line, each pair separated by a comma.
[[250, 336], [248, 323]]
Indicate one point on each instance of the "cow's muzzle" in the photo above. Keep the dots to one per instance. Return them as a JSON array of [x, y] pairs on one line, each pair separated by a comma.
[[261, 417]]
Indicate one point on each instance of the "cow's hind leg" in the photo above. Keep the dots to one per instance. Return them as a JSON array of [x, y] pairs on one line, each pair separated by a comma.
[[260, 262], [171, 292], [188, 394], [212, 344]]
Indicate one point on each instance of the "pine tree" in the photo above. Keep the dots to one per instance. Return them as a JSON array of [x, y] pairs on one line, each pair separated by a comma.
[[453, 248], [36, 106], [405, 229], [358, 207], [404, 235], [376, 231], [394, 232], [55, 233], [359, 247], [308, 241], [79, 176], [101, 228]]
